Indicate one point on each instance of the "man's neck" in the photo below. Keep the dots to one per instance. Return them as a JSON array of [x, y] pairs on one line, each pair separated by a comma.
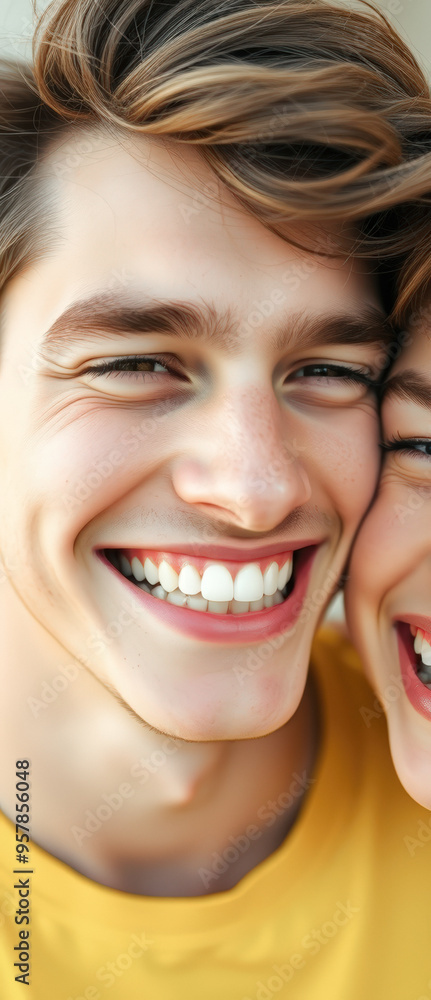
[[132, 808]]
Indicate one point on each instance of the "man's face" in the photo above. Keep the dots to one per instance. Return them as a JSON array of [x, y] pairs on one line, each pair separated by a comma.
[[207, 403]]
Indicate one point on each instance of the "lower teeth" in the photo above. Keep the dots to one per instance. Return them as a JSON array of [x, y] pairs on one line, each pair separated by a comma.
[[198, 603]]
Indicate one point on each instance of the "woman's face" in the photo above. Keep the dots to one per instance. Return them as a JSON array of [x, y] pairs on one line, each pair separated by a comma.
[[388, 597]]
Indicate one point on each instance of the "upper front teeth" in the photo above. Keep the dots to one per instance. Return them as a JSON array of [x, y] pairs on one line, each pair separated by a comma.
[[189, 580], [421, 645], [271, 578], [151, 571], [167, 576], [249, 585], [217, 584]]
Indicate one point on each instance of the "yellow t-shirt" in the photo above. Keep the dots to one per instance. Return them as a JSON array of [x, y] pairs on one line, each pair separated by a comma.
[[341, 911]]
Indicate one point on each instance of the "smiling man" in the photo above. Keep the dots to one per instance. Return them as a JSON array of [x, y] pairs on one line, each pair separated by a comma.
[[156, 422], [191, 336]]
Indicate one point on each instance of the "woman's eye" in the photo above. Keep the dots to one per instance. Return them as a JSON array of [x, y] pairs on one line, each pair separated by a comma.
[[413, 447]]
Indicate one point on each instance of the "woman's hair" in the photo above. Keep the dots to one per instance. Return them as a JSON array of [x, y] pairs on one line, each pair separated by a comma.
[[305, 110], [412, 301]]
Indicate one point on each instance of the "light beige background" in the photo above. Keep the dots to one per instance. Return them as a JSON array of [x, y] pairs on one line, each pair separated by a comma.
[[412, 17]]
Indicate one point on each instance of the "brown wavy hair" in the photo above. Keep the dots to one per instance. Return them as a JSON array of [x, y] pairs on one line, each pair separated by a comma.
[[413, 288], [306, 111]]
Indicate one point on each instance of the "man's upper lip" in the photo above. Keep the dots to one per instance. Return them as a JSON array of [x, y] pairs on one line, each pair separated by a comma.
[[245, 552], [419, 621]]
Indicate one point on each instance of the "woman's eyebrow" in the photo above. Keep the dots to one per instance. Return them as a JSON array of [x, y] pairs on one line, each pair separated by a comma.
[[409, 385]]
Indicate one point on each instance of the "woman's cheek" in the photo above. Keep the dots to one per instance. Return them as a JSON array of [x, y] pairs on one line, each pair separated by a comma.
[[388, 545]]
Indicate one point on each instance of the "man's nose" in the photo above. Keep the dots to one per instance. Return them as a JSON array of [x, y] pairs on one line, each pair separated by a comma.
[[241, 467]]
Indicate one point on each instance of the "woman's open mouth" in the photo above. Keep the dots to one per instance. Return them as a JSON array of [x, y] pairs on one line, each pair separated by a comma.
[[422, 648], [414, 646]]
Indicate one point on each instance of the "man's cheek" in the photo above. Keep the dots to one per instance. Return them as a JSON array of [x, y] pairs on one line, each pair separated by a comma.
[[82, 474], [354, 458]]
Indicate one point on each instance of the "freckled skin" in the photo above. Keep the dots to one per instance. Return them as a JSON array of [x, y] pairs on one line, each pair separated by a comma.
[[390, 572], [241, 451]]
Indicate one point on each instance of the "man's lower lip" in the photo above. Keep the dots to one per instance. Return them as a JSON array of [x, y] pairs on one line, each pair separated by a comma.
[[419, 696], [232, 629]]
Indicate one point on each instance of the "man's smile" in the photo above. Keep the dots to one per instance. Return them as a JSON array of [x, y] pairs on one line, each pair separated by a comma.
[[220, 588], [241, 601]]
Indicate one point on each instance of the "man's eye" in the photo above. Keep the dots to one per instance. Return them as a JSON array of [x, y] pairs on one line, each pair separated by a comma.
[[326, 371], [137, 367], [327, 384]]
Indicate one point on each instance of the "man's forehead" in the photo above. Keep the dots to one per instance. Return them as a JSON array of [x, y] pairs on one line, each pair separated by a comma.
[[209, 273], [156, 187]]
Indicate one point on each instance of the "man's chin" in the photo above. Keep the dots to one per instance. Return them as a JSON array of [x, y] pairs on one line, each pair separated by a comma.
[[254, 693]]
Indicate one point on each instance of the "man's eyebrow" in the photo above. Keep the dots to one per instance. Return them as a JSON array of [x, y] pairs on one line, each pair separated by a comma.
[[409, 385], [369, 326], [103, 316]]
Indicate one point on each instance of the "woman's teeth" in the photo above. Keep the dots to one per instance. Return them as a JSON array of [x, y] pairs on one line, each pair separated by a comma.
[[422, 647], [215, 590]]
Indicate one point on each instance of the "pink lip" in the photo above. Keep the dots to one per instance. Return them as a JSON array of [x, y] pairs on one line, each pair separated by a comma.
[[419, 696], [230, 629], [419, 621], [177, 560], [237, 553]]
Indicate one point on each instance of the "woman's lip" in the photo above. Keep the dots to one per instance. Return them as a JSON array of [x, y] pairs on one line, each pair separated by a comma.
[[230, 629], [419, 696], [222, 552], [418, 621]]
